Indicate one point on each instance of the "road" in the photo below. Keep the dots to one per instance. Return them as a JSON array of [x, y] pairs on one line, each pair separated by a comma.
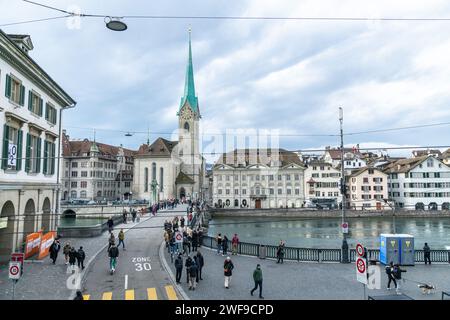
[[139, 273]]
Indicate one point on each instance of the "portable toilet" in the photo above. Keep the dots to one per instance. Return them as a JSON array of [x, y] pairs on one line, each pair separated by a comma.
[[398, 248]]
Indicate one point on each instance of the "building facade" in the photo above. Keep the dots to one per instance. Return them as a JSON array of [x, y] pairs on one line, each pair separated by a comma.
[[367, 190], [420, 183], [353, 158], [96, 171], [31, 105], [322, 183], [175, 169], [258, 178]]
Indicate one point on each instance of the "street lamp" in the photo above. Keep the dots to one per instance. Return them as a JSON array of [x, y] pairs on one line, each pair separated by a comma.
[[345, 258], [115, 24]]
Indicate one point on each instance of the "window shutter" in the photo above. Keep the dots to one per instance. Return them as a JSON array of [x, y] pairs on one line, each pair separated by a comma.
[[46, 157], [46, 112], [22, 95], [5, 145], [28, 153], [54, 116], [38, 155], [19, 150], [8, 86], [30, 100], [41, 102], [53, 158]]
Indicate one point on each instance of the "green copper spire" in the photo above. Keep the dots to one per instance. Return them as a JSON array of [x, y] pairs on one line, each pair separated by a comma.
[[189, 87]]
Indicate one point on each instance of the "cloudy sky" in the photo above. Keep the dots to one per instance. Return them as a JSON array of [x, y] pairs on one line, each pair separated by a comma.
[[289, 76]]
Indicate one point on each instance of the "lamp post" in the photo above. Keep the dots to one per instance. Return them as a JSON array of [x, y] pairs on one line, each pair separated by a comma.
[[345, 258]]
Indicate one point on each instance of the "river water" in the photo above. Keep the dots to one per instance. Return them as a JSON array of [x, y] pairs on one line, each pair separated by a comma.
[[326, 233]]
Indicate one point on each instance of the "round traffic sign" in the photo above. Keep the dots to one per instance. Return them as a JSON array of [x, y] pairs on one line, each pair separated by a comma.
[[359, 250], [345, 225], [178, 236], [361, 265], [14, 270]]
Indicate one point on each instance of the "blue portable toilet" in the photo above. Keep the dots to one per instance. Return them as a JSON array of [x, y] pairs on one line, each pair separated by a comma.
[[398, 248]]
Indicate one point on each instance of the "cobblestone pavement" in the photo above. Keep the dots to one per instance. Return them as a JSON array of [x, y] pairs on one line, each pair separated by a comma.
[[293, 280], [44, 281]]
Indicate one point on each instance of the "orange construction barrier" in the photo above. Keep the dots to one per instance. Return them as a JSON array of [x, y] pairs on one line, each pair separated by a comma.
[[33, 243], [46, 241]]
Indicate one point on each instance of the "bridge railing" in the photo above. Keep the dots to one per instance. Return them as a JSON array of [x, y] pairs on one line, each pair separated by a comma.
[[315, 254]]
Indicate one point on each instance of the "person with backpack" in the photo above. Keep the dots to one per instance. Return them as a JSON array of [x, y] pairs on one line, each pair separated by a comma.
[[179, 267], [188, 264], [193, 275], [224, 245], [198, 258], [80, 258], [110, 224], [113, 253], [66, 251], [228, 267], [54, 249], [280, 252], [72, 258], [398, 276], [121, 237], [389, 271], [111, 241], [219, 242], [427, 253]]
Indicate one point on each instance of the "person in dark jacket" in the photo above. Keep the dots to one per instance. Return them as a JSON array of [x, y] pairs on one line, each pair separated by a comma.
[[80, 258], [179, 267], [228, 267], [110, 224], [79, 296], [113, 253], [188, 264], [200, 263], [193, 275], [224, 245], [54, 249], [258, 278], [389, 271], [194, 241], [72, 258], [426, 253], [398, 276], [280, 252], [124, 216]]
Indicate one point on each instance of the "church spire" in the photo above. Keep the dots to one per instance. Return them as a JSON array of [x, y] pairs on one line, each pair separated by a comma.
[[189, 87]]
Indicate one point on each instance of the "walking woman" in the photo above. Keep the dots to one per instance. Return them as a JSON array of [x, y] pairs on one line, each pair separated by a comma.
[[228, 267], [389, 271]]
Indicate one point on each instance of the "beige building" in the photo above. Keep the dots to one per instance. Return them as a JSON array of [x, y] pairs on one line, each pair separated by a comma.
[[322, 183], [258, 178], [31, 105], [367, 190]]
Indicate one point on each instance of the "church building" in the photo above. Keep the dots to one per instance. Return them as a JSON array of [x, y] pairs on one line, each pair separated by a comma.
[[174, 169]]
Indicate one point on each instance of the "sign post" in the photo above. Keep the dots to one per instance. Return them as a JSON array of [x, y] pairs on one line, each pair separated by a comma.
[[14, 274], [345, 227], [361, 266]]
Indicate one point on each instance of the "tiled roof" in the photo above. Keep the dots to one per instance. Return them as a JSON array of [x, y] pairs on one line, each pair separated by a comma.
[[404, 165], [359, 171], [160, 147], [78, 148], [335, 154], [247, 157], [183, 178]]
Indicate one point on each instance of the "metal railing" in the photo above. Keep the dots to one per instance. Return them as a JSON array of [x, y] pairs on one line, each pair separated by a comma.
[[317, 255]]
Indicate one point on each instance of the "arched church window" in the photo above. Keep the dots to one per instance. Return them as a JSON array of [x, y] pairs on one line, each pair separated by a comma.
[[186, 126], [146, 180], [161, 178], [153, 171]]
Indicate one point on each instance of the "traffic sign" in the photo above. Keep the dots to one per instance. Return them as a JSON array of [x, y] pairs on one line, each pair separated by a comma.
[[178, 237], [14, 270], [361, 270], [360, 249], [345, 227]]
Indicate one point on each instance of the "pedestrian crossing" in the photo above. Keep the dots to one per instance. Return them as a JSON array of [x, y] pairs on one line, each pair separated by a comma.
[[131, 294]]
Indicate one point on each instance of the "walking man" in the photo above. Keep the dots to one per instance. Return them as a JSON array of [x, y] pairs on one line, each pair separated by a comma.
[[426, 253], [113, 253], [258, 278], [192, 276], [280, 252], [111, 241], [188, 264], [179, 267], [228, 271], [234, 244], [224, 246], [54, 249], [72, 259], [110, 224], [398, 276], [200, 263], [121, 237], [80, 258], [389, 271], [219, 242]]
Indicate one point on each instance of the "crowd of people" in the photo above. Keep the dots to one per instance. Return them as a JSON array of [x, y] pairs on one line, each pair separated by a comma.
[[72, 257]]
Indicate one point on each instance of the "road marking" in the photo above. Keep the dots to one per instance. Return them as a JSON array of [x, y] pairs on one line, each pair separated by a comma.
[[151, 293], [129, 294], [86, 296], [107, 296], [126, 282], [171, 293]]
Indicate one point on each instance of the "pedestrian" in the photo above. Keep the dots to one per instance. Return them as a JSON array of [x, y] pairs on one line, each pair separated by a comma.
[[188, 264], [79, 296], [234, 244], [121, 237], [110, 224], [193, 276], [194, 241], [228, 271], [133, 215], [258, 278], [72, 258], [113, 254], [398, 276], [224, 245], [54, 249], [389, 271], [124, 216], [280, 252], [200, 263], [80, 258], [219, 242], [182, 222], [426, 253], [179, 267], [66, 251], [111, 241]]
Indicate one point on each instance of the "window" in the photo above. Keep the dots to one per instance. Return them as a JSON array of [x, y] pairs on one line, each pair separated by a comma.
[[161, 179], [288, 177], [297, 192], [35, 103], [271, 177], [236, 191], [279, 177], [289, 191], [127, 184], [84, 174], [33, 156], [12, 137], [146, 180], [83, 184], [365, 180], [271, 191], [280, 191], [430, 163], [99, 184], [186, 126], [297, 177], [244, 191], [228, 191], [227, 178], [371, 171], [220, 191], [74, 164], [74, 174], [73, 184], [153, 171], [73, 194], [15, 91], [49, 158]]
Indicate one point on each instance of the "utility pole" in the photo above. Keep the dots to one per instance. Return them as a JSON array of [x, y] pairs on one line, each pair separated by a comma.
[[345, 258]]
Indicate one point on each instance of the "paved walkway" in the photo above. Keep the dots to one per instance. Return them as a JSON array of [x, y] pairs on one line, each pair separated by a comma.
[[44, 281], [293, 280]]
